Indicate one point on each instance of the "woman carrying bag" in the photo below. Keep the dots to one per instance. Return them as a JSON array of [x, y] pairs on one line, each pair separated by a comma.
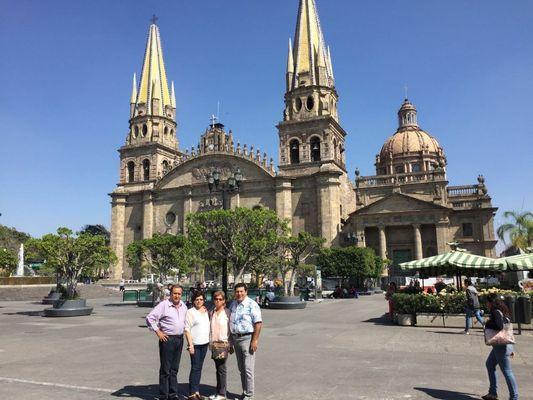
[[197, 334], [499, 335], [220, 342]]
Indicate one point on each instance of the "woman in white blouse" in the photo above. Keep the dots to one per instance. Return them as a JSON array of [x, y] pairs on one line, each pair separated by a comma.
[[197, 334], [221, 344]]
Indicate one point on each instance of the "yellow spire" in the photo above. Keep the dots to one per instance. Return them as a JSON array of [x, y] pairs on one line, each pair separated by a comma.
[[309, 47], [153, 82]]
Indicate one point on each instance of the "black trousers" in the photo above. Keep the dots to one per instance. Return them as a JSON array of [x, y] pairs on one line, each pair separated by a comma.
[[169, 357]]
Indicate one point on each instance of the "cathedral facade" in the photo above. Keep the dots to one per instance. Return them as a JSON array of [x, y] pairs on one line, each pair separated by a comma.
[[160, 184]]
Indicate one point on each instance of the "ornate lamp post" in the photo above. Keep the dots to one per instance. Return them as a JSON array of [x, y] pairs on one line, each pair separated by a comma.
[[232, 185]]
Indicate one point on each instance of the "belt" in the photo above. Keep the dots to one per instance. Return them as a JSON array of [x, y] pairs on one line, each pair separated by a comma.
[[177, 336], [242, 334]]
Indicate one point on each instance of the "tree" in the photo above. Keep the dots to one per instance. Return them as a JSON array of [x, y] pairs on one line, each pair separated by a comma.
[[245, 237], [72, 256], [294, 251], [519, 230], [97, 230], [11, 239], [8, 262], [162, 253], [350, 262]]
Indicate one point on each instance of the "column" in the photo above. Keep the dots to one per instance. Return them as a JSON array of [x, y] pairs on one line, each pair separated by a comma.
[[441, 230], [418, 242], [329, 199], [382, 242], [118, 213], [284, 199], [148, 215]]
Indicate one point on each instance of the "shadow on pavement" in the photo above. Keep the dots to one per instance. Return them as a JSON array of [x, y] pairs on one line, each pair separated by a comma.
[[447, 394], [383, 320], [150, 392], [28, 313]]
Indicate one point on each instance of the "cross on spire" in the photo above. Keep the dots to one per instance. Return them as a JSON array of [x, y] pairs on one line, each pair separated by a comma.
[[154, 19], [213, 120], [405, 88]]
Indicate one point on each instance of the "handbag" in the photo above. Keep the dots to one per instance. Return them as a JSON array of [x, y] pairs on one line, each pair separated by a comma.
[[499, 338], [219, 350]]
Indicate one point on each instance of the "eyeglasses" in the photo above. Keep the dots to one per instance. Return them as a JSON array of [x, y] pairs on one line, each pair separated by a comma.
[[219, 299]]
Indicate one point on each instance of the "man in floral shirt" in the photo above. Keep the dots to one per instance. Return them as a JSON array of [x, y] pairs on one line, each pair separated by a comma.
[[245, 326]]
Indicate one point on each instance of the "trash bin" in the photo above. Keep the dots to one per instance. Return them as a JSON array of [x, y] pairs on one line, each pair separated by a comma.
[[524, 309], [129, 295], [510, 302]]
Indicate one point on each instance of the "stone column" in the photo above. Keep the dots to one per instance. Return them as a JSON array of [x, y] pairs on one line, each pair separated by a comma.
[[328, 186], [284, 199], [382, 242], [148, 215], [418, 242], [118, 213], [441, 230]]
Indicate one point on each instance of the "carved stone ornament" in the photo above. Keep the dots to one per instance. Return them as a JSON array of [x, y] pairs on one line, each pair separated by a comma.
[[200, 173], [210, 203]]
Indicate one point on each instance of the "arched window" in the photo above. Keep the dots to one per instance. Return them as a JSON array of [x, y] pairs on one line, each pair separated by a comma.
[[415, 167], [145, 130], [295, 151], [166, 130], [165, 165], [131, 171], [146, 170], [315, 149]]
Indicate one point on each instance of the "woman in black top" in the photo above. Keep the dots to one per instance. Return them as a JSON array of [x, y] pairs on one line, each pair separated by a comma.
[[500, 354]]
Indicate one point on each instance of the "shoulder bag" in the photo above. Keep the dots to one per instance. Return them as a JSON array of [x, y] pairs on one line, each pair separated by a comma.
[[502, 337]]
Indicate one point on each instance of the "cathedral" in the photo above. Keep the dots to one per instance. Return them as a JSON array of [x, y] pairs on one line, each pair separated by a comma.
[[406, 211]]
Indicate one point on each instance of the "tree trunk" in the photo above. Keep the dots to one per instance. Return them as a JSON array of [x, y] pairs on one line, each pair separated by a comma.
[[292, 282], [238, 275]]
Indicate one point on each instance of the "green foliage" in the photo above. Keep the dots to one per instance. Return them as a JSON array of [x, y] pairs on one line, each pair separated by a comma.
[[246, 237], [162, 253], [350, 262], [11, 239], [294, 251], [519, 229], [72, 256], [8, 262], [97, 230]]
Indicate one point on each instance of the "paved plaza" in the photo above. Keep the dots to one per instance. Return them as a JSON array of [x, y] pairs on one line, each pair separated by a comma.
[[339, 349]]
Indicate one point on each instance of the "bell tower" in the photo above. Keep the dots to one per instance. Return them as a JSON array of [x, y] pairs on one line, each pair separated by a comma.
[[310, 132], [151, 143]]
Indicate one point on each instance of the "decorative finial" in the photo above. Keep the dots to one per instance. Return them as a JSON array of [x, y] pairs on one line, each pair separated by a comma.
[[357, 172], [154, 19], [213, 120]]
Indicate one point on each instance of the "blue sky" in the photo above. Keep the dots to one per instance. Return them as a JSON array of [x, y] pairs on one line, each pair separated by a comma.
[[66, 70]]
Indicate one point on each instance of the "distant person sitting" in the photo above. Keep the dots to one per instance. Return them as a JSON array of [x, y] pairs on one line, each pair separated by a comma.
[[337, 293], [440, 285]]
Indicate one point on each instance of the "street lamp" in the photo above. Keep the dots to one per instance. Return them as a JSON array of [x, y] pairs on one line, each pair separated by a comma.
[[232, 185]]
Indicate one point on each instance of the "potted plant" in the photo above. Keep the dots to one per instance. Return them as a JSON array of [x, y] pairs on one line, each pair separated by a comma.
[[72, 256], [405, 308]]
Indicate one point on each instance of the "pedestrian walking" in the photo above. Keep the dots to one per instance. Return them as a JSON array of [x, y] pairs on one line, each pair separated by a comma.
[[122, 285], [220, 342], [245, 325], [197, 334], [167, 320], [472, 307], [388, 296], [501, 354]]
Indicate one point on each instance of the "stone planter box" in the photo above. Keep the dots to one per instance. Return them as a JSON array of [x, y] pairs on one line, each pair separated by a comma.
[[68, 308], [406, 319], [430, 320], [287, 303]]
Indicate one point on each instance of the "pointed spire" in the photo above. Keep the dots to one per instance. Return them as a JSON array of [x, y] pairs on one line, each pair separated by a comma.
[[133, 98], [172, 95], [290, 59], [153, 81], [309, 47]]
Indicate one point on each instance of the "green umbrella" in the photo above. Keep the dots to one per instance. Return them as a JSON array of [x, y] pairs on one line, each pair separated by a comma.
[[520, 262], [456, 262]]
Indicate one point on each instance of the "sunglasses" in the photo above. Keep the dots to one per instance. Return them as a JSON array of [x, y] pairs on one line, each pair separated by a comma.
[[219, 299]]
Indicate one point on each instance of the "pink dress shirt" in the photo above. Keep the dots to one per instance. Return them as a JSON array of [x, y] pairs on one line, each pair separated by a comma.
[[168, 318]]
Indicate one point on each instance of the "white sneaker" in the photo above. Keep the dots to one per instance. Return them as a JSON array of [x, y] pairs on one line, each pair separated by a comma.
[[216, 397]]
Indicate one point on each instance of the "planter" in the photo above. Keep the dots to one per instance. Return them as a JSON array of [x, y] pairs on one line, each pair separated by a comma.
[[51, 297], [68, 308], [430, 320], [287, 303], [406, 319]]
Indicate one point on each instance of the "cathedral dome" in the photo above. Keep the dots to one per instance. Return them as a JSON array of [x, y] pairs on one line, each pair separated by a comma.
[[410, 140], [410, 149]]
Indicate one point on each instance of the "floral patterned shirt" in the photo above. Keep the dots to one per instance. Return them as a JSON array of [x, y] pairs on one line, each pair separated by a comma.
[[244, 315]]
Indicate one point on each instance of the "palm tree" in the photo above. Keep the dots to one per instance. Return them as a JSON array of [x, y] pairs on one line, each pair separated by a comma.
[[519, 230]]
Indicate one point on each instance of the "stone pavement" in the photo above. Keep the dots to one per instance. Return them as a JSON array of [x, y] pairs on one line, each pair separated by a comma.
[[339, 349]]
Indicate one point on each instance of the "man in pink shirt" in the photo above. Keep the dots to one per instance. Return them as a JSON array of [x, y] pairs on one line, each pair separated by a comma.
[[167, 320]]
